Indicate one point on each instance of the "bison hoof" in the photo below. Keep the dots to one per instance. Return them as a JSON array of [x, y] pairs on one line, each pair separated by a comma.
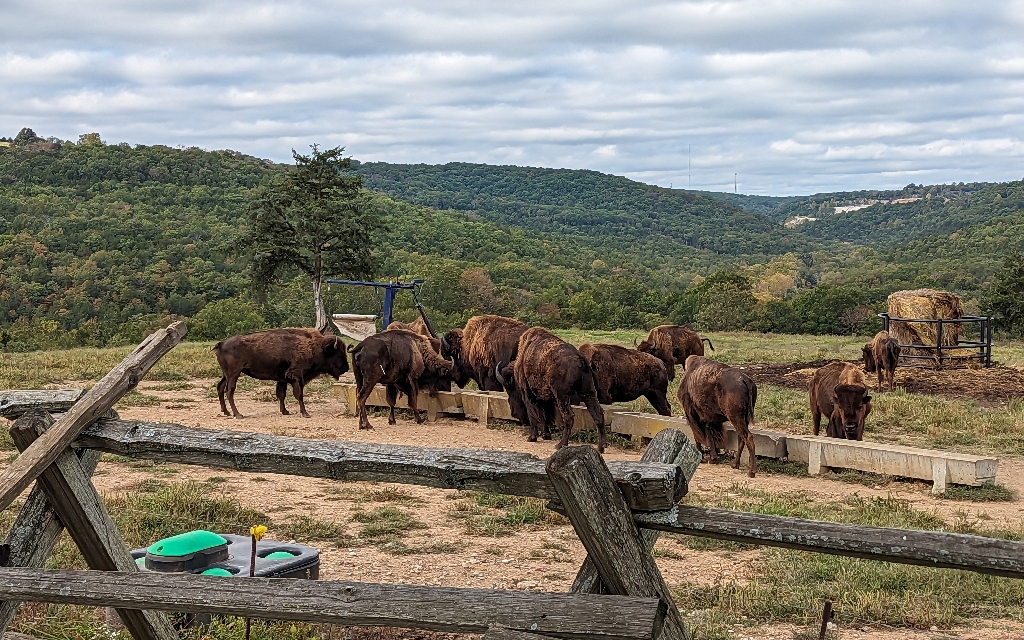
[[238, 416], [306, 415], [285, 412], [367, 426], [392, 421], [532, 439], [546, 436], [751, 474]]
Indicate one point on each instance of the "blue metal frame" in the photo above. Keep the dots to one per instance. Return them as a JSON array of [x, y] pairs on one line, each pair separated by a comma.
[[390, 289]]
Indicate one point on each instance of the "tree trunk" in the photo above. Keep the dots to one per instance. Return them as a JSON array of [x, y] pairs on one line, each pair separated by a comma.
[[322, 321]]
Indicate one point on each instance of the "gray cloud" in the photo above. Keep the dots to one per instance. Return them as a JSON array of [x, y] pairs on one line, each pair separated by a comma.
[[792, 97]]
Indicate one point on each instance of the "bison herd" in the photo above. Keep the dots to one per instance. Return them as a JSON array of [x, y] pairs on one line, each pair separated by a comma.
[[544, 375]]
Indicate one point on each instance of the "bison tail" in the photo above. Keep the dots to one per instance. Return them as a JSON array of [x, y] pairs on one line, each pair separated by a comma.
[[708, 340], [751, 401]]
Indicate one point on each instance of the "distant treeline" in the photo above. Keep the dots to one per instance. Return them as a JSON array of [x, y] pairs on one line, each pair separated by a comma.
[[101, 243]]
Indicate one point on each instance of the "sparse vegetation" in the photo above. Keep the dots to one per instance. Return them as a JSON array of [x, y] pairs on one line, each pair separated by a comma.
[[309, 529], [387, 522], [495, 515]]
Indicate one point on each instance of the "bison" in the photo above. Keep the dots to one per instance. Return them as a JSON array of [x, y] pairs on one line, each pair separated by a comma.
[[420, 328], [402, 361], [882, 355], [711, 393], [623, 375], [290, 356], [480, 346], [838, 390], [673, 344], [546, 374]]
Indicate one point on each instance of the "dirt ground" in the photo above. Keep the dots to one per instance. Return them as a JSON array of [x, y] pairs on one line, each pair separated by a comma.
[[995, 386], [533, 558]]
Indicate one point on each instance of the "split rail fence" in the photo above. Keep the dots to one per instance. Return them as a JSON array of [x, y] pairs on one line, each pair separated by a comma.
[[941, 468], [617, 509]]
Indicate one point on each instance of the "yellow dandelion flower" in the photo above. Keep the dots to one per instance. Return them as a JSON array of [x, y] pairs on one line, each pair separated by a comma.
[[258, 532]]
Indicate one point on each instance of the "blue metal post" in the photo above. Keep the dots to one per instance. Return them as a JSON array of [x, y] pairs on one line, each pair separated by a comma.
[[389, 302]]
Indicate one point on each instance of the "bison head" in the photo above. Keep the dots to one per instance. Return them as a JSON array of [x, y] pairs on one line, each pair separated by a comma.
[[451, 349], [335, 362], [869, 358], [851, 408], [505, 373]]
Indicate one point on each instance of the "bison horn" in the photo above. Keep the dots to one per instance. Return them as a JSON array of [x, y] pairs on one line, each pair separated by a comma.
[[497, 374], [635, 341], [453, 362], [444, 342]]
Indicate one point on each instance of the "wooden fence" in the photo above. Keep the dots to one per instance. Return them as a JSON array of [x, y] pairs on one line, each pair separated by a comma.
[[941, 468], [618, 510]]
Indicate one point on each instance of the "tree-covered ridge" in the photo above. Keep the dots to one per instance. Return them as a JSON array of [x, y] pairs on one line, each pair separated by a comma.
[[887, 226], [611, 212]]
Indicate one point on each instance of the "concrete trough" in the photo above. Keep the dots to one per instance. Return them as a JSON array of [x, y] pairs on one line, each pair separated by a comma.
[[940, 467], [447, 403]]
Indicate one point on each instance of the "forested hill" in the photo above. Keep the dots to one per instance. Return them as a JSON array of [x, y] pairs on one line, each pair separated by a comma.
[[611, 212]]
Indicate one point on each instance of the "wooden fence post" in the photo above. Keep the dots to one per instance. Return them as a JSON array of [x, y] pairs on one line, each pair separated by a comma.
[[96, 401], [80, 508], [668, 446], [605, 526]]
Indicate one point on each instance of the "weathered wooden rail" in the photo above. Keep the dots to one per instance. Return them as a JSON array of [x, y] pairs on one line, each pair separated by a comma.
[[942, 468]]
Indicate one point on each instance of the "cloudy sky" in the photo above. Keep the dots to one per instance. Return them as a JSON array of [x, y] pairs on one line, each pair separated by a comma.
[[791, 97]]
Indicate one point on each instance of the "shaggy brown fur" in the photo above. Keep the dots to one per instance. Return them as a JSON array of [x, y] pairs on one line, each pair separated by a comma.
[[545, 375], [838, 391], [882, 355], [404, 362], [290, 356], [418, 327], [673, 344], [480, 346], [711, 393], [623, 375]]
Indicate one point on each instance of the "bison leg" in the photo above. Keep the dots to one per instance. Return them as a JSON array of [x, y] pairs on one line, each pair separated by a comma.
[[363, 395], [567, 416], [597, 414], [221, 388], [281, 392], [659, 401], [297, 391], [413, 392], [391, 393], [815, 416], [537, 416], [232, 383]]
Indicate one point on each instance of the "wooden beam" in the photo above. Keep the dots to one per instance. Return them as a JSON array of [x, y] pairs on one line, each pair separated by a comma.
[[121, 379], [605, 526], [905, 546], [80, 508], [646, 486], [14, 404], [501, 633], [666, 447], [35, 532], [446, 609]]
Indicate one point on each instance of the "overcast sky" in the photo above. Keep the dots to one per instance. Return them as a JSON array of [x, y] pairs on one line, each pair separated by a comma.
[[792, 97]]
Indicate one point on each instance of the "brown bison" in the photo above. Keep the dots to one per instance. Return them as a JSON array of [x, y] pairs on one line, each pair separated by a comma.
[[623, 375], [420, 328], [290, 356], [404, 362], [673, 344], [882, 355], [838, 390], [480, 346], [546, 374], [711, 393]]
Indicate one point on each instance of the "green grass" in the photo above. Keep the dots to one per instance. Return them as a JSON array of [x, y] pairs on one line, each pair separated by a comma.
[[496, 515], [988, 492], [309, 529], [137, 399], [386, 522], [788, 586]]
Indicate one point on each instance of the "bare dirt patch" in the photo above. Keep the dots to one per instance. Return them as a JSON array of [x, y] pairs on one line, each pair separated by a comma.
[[994, 386]]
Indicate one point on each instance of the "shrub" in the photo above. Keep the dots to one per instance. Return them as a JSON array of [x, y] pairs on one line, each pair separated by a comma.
[[224, 318]]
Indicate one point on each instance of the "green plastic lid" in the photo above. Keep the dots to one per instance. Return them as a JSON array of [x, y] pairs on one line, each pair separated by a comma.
[[185, 543], [217, 571], [141, 561], [279, 555]]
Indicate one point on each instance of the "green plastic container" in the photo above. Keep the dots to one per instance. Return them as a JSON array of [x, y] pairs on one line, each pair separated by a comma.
[[186, 551]]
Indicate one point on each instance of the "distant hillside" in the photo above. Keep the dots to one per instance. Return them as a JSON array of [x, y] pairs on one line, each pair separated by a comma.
[[647, 223]]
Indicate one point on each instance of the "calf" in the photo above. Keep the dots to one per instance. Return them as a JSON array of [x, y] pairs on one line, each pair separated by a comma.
[[290, 356], [711, 393], [404, 362], [623, 375], [546, 374], [673, 344], [882, 355], [838, 390]]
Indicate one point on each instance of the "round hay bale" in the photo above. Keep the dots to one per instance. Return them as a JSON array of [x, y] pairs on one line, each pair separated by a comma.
[[925, 304]]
